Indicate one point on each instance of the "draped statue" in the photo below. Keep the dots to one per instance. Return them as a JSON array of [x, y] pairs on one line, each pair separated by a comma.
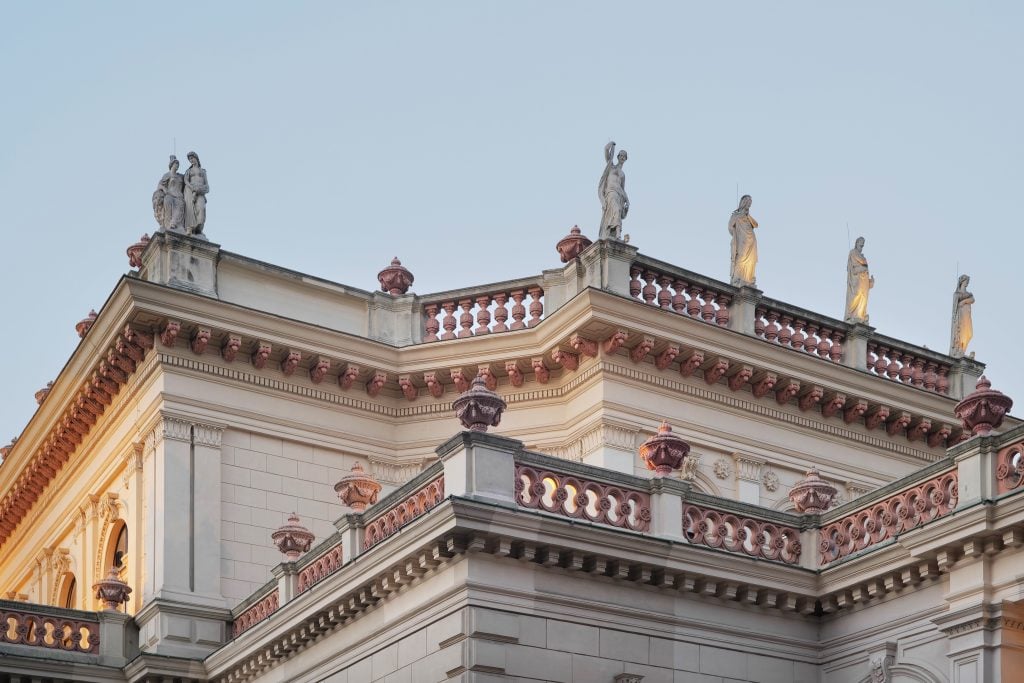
[[963, 327], [744, 244], [858, 283], [612, 192], [169, 199], [196, 188]]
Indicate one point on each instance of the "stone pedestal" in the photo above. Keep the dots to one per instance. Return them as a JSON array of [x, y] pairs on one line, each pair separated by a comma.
[[742, 312], [606, 266], [964, 377], [181, 261], [395, 320], [480, 466], [855, 347]]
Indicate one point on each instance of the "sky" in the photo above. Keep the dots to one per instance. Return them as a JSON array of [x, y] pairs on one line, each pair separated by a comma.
[[466, 138]]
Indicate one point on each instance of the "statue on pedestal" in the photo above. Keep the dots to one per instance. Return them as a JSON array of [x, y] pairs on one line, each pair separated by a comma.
[[744, 245], [963, 327], [612, 192], [169, 199], [858, 283], [196, 189]]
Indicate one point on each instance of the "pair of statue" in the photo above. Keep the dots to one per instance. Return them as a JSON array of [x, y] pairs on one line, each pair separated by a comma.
[[179, 202]]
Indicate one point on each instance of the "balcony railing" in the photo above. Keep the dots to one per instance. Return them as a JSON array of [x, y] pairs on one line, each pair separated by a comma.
[[50, 628]]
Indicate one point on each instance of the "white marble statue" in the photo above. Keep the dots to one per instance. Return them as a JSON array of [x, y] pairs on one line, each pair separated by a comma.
[[196, 189], [858, 284], [612, 192], [744, 245], [169, 199], [963, 327]]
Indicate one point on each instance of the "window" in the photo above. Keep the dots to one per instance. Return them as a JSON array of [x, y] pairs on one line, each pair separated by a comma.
[[121, 547], [68, 591]]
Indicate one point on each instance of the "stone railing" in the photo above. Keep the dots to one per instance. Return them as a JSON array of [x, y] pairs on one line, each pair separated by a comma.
[[576, 497], [799, 329], [392, 515], [674, 289], [49, 627], [882, 519], [506, 307], [741, 534], [319, 567], [264, 603], [907, 364]]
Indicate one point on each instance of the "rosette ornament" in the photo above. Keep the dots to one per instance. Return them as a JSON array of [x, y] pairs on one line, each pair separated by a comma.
[[479, 408], [357, 490], [112, 591], [570, 246], [983, 409], [395, 279], [664, 452], [292, 539], [812, 494]]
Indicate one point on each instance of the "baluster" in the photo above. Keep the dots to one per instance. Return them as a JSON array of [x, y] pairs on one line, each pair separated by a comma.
[[722, 315], [693, 305], [785, 333], [649, 290], [881, 364], [811, 342], [917, 379], [758, 321], [824, 342], [907, 371], [707, 311], [797, 340], [466, 319], [430, 325], [942, 384], [836, 352], [449, 320], [634, 282], [679, 300], [536, 307], [893, 369], [500, 313], [930, 377], [872, 356], [518, 310], [483, 316], [771, 330], [664, 295]]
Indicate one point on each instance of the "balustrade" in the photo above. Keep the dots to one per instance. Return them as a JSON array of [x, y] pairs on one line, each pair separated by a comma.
[[577, 498], [320, 568], [256, 613], [884, 519], [735, 534], [394, 518], [685, 296], [799, 332], [1010, 468], [489, 312], [906, 367], [46, 628]]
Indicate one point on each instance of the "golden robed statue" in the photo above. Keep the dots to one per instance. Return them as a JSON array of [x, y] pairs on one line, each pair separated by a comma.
[[744, 244], [858, 284], [963, 327]]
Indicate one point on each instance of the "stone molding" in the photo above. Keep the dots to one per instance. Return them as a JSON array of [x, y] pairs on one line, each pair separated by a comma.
[[394, 473], [748, 468]]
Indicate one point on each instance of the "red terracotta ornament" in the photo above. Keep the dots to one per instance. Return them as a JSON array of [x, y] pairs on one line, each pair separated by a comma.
[[200, 340], [134, 252], [459, 379], [612, 344], [376, 383], [409, 389], [170, 333], [479, 408], [515, 375], [812, 495], [540, 371], [83, 326], [665, 358], [434, 386], [583, 346], [348, 378], [395, 279], [664, 452], [112, 591], [319, 369], [43, 393], [982, 411], [292, 539], [570, 246], [640, 351], [357, 490], [229, 351]]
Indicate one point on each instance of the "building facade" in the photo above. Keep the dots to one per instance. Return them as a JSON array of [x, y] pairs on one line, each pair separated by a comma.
[[828, 505]]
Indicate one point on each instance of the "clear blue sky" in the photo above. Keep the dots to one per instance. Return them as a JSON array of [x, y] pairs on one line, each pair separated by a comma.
[[466, 138]]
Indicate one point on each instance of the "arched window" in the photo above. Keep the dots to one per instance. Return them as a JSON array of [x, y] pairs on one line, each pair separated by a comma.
[[68, 591], [115, 550], [121, 547]]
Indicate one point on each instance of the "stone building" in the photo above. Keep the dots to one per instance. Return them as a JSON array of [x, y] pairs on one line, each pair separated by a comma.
[[813, 509]]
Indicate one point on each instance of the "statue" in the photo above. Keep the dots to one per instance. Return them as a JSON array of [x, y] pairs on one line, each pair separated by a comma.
[[169, 199], [963, 328], [196, 189], [858, 284], [744, 244], [612, 192]]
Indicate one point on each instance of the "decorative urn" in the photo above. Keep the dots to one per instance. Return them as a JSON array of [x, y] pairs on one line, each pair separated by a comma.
[[812, 494], [112, 591], [43, 393], [6, 450], [135, 251], [395, 279], [479, 408], [664, 452], [292, 539], [85, 324], [570, 246], [357, 490], [983, 409]]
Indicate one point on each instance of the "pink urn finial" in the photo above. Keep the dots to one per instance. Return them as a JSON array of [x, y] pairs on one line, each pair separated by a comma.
[[292, 539], [983, 410], [570, 246], [6, 450], [395, 279], [479, 408], [812, 494], [112, 591], [43, 393], [357, 490], [664, 452], [85, 324], [135, 251]]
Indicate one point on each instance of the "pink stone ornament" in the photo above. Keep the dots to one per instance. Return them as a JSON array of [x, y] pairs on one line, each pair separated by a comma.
[[570, 246], [664, 452], [357, 490], [43, 393], [983, 410], [292, 539], [112, 591], [812, 495], [395, 279], [479, 408], [83, 326], [134, 252]]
